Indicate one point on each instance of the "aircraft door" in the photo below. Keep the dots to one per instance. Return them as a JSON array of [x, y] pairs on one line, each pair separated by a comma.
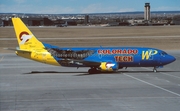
[[44, 57], [100, 55], [162, 55]]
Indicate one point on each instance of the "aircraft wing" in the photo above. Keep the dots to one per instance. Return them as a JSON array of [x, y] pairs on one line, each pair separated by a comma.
[[70, 62], [88, 63]]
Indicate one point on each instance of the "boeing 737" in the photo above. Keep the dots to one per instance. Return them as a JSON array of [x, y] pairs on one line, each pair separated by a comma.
[[98, 59]]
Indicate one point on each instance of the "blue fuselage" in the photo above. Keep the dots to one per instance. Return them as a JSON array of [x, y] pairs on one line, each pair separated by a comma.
[[122, 56]]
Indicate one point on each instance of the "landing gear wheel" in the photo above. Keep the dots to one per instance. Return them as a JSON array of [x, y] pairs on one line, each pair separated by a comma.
[[92, 71], [154, 70]]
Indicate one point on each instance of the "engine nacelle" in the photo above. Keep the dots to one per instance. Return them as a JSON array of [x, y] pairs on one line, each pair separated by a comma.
[[108, 66]]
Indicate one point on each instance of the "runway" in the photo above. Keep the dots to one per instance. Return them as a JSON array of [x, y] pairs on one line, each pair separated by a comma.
[[26, 85]]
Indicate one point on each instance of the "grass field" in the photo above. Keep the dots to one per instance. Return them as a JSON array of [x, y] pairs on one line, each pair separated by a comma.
[[162, 37]]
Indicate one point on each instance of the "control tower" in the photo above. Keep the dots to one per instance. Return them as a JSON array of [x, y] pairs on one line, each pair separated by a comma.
[[147, 11]]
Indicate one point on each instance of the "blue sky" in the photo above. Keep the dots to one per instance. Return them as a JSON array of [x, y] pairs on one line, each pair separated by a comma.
[[84, 6]]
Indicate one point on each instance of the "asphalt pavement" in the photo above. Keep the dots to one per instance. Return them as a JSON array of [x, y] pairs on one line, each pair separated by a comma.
[[26, 85]]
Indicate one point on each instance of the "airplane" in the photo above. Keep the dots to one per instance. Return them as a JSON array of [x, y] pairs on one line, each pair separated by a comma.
[[98, 59], [62, 25]]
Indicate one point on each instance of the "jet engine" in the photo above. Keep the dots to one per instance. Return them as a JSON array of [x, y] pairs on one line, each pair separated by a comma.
[[108, 66]]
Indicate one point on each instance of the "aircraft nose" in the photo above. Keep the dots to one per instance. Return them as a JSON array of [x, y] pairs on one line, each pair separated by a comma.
[[173, 58], [170, 59]]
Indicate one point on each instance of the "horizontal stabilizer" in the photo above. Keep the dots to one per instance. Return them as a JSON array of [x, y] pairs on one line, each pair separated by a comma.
[[17, 49]]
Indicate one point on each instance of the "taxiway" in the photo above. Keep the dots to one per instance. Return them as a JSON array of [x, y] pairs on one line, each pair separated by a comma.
[[26, 85]]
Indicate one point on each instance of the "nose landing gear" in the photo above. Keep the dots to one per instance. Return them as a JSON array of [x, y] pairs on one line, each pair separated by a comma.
[[155, 69]]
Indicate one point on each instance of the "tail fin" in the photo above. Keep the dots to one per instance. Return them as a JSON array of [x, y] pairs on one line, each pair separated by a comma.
[[26, 39]]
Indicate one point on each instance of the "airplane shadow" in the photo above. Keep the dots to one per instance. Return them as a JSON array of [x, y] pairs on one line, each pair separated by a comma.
[[128, 72], [51, 72], [82, 73]]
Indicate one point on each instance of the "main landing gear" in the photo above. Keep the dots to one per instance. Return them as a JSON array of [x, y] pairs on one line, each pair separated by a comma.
[[93, 70]]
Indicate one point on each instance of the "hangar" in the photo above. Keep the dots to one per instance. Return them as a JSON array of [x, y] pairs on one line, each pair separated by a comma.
[[41, 22]]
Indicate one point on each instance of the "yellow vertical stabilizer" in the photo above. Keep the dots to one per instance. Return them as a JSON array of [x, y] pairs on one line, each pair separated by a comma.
[[26, 39]]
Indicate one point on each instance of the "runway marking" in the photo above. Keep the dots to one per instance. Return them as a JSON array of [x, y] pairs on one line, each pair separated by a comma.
[[2, 58], [169, 75], [167, 81], [73, 99], [164, 73], [152, 85]]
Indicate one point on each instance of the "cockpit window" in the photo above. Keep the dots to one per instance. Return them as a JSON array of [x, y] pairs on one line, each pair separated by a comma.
[[164, 53]]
